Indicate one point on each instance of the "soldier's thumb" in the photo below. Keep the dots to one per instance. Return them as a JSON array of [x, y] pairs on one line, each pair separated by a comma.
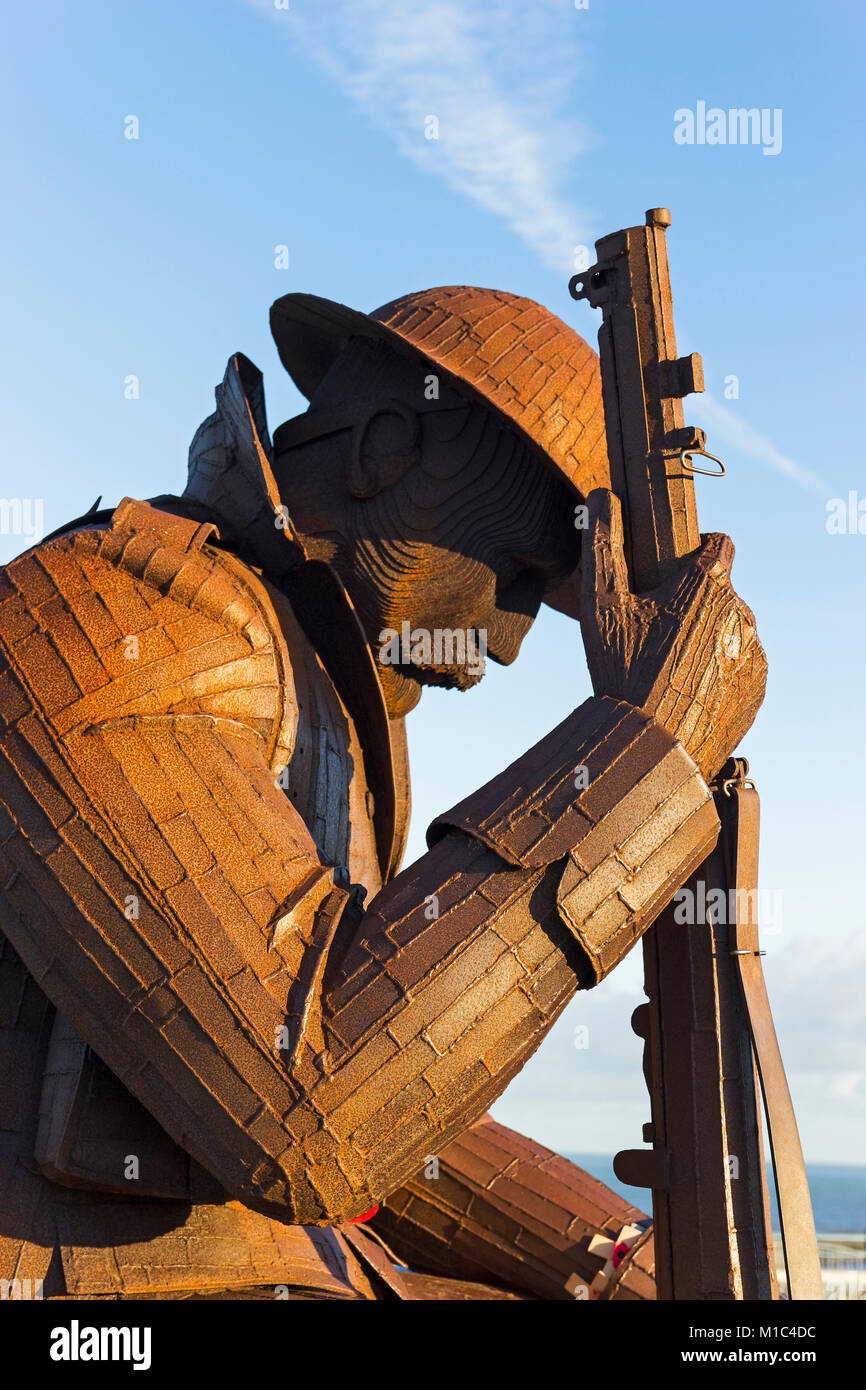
[[716, 555], [604, 570]]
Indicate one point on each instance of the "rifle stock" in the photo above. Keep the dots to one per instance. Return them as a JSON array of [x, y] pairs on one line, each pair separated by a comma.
[[706, 1164]]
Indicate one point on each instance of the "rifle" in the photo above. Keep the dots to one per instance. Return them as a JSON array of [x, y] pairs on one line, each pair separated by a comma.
[[709, 1042]]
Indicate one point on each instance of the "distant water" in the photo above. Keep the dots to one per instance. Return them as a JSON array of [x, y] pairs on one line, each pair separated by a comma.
[[838, 1193]]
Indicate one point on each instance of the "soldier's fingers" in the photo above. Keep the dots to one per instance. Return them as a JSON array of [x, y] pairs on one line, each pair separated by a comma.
[[605, 573]]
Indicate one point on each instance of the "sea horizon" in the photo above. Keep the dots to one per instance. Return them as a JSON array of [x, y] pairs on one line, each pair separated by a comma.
[[838, 1192]]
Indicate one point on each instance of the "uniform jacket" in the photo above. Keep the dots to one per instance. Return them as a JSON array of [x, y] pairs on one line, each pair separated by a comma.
[[198, 782]]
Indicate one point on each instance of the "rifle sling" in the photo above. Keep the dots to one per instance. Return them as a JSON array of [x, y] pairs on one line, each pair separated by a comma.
[[799, 1243]]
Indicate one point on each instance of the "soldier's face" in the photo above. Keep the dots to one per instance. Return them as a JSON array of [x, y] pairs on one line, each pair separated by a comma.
[[450, 562], [445, 527]]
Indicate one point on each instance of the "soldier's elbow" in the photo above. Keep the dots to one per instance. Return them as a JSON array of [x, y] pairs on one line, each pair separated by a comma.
[[300, 1192]]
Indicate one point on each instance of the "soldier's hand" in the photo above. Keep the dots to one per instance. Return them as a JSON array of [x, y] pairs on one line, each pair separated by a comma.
[[687, 652]]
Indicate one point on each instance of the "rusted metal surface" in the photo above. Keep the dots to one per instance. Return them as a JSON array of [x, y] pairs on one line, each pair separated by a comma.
[[643, 382], [203, 772], [706, 1166], [502, 349], [799, 1242], [501, 1206]]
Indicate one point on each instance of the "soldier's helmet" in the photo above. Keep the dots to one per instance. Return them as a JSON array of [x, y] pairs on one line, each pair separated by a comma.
[[500, 348]]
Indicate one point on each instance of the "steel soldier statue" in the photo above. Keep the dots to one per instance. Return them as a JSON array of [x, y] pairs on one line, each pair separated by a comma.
[[230, 1027]]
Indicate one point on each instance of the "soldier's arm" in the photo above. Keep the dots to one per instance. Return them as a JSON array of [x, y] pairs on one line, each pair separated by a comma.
[[462, 963], [168, 899]]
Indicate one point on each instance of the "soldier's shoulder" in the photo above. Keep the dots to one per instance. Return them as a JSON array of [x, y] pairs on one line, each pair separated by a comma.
[[149, 599], [169, 549]]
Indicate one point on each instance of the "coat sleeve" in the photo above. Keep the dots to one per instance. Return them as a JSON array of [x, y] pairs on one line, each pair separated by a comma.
[[499, 1207], [169, 900]]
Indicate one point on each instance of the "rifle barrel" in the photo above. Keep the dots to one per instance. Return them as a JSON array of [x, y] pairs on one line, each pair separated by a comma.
[[643, 382]]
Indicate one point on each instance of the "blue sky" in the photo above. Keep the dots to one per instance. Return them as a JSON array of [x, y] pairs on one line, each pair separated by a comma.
[[304, 127]]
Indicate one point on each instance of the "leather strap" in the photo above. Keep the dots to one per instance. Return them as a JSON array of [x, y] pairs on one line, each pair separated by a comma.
[[373, 1256], [799, 1243], [179, 532]]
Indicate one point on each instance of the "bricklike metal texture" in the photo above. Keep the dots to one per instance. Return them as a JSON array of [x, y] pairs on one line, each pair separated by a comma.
[[504, 1207], [84, 1247], [510, 351], [428, 1287], [688, 653], [619, 863], [154, 881]]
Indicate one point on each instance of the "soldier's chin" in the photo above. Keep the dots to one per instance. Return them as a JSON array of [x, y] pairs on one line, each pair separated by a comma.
[[456, 677]]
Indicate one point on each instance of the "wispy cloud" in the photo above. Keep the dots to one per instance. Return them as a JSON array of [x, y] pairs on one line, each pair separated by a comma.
[[500, 78], [727, 425], [497, 76]]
